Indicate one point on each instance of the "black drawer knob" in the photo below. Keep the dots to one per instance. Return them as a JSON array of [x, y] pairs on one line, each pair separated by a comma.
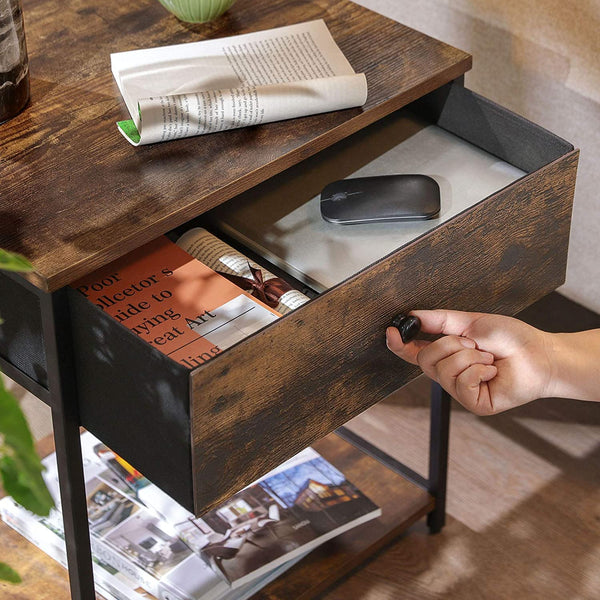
[[407, 325]]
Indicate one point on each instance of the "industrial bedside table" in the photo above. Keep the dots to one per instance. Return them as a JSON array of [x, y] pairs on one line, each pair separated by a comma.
[[75, 196]]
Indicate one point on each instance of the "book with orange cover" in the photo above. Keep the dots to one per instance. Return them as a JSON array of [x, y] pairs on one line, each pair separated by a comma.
[[175, 303]]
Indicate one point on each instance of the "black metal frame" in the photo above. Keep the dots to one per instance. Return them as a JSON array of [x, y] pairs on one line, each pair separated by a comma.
[[61, 396], [39, 391], [65, 422], [439, 433]]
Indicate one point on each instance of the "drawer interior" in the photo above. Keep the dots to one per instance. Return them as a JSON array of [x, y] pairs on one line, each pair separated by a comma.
[[202, 435], [471, 147], [279, 223]]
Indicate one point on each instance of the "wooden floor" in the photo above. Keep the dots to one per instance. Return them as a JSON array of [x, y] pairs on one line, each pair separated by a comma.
[[523, 501], [523, 505]]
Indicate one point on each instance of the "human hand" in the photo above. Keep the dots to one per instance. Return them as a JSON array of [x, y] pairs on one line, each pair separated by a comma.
[[489, 363]]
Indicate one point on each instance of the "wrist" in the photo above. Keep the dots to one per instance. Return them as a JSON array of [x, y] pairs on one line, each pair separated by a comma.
[[574, 360], [555, 352]]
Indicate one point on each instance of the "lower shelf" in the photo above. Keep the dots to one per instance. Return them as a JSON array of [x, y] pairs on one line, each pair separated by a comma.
[[402, 503]]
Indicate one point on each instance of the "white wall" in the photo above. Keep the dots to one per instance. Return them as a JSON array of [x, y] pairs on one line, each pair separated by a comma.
[[540, 59]]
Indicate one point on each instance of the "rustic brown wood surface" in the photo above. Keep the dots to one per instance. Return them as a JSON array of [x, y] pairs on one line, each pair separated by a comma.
[[402, 504], [75, 195], [291, 384]]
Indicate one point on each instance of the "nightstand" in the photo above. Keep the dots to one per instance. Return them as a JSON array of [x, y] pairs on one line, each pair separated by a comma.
[[75, 196]]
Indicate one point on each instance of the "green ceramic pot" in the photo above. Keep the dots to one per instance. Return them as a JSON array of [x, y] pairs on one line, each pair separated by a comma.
[[197, 11]]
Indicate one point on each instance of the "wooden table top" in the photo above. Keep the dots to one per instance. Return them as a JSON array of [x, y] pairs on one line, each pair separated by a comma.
[[74, 195]]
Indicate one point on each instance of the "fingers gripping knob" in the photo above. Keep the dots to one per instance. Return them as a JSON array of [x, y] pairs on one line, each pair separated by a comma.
[[407, 325]]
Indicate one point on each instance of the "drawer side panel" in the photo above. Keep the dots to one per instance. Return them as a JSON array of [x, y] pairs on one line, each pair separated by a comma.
[[289, 385], [21, 336], [133, 398], [491, 127]]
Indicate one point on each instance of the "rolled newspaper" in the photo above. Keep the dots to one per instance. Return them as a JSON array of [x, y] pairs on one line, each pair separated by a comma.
[[224, 259]]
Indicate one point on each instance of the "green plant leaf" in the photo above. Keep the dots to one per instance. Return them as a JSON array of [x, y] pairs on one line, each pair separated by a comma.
[[20, 466], [9, 261], [8, 574]]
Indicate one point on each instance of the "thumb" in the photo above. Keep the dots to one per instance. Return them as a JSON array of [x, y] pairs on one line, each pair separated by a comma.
[[407, 352], [447, 322]]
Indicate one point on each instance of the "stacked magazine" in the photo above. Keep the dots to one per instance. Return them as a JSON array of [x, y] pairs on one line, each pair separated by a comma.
[[176, 303], [147, 546]]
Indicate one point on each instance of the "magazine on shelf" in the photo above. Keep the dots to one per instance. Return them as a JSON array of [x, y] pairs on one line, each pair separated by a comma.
[[110, 583], [127, 535], [175, 303], [289, 512], [282, 516], [150, 544], [48, 536], [144, 541], [203, 87]]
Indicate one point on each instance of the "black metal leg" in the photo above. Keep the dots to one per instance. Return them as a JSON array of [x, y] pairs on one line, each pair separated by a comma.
[[438, 455], [65, 420], [439, 433]]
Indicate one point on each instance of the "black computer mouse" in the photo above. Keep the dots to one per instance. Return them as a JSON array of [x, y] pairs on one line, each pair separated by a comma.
[[382, 198]]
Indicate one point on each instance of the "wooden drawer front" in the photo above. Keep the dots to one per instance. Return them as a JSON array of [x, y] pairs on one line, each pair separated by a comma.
[[302, 377]]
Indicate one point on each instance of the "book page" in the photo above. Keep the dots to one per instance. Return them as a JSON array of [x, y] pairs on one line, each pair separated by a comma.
[[175, 303], [215, 85]]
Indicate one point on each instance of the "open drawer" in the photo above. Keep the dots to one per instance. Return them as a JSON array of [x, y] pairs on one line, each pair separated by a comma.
[[202, 435]]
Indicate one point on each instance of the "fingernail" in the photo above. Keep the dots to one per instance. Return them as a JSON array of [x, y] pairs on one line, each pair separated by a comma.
[[467, 343], [387, 337]]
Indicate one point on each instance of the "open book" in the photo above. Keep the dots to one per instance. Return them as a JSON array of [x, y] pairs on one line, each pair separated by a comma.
[[214, 85]]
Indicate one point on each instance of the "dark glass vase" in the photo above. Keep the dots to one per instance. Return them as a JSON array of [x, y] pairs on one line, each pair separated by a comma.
[[14, 69]]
